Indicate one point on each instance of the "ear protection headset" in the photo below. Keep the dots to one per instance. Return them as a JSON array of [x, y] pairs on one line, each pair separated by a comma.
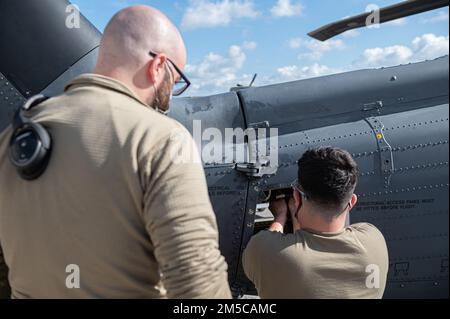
[[30, 145]]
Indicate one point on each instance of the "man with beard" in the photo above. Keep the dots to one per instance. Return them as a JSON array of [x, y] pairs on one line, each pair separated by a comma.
[[122, 210]]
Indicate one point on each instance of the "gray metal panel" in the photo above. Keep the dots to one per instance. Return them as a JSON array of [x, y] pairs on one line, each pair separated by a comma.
[[413, 211], [85, 65], [356, 137], [415, 225], [36, 46], [348, 97], [228, 193], [218, 112], [10, 100], [34, 52], [420, 146]]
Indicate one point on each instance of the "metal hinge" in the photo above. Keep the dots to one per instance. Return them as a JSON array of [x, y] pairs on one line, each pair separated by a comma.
[[378, 105], [258, 163], [264, 124], [256, 169], [384, 148]]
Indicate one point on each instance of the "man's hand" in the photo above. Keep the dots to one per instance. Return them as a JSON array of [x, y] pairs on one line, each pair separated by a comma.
[[279, 210]]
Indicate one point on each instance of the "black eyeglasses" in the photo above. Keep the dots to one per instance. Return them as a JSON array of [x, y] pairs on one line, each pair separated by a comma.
[[296, 186], [181, 85]]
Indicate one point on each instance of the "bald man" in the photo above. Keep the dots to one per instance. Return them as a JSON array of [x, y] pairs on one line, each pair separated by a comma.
[[122, 210]]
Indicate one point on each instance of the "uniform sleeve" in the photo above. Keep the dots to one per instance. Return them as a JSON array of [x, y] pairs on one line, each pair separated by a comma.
[[180, 220], [5, 290], [375, 244]]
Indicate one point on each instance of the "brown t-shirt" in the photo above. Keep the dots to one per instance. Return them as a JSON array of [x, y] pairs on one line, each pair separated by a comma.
[[308, 265], [124, 198]]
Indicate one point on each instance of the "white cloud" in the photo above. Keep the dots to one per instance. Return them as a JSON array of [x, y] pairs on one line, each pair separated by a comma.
[[425, 47], [284, 8], [392, 55], [295, 43], [430, 46], [398, 23], [351, 34], [250, 45], [318, 48], [441, 16], [205, 13], [218, 73], [294, 72]]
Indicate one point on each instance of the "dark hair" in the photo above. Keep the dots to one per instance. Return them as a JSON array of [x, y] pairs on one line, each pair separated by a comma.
[[328, 176]]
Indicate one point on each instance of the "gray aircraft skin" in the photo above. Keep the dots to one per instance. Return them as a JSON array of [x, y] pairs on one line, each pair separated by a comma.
[[394, 121]]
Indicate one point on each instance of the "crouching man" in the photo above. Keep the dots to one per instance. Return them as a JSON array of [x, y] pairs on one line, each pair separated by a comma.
[[322, 258]]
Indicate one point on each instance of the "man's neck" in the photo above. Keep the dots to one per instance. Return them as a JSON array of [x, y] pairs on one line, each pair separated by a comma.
[[124, 79], [313, 220]]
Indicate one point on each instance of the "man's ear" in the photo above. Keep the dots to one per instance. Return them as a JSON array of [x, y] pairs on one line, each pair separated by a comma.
[[353, 201], [156, 69]]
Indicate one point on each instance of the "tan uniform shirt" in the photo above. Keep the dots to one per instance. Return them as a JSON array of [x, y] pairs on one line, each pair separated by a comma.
[[124, 199], [307, 265]]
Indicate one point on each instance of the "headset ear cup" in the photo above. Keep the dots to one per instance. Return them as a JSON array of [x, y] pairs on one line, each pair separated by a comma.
[[30, 145], [43, 134], [37, 168], [37, 164]]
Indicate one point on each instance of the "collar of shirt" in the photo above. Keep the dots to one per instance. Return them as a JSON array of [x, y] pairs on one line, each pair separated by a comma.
[[105, 82], [323, 234]]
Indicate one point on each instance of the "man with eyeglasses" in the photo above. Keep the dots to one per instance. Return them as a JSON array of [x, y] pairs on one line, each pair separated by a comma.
[[122, 210], [323, 258]]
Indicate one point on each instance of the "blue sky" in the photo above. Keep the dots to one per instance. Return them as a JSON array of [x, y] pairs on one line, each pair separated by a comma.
[[230, 40]]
